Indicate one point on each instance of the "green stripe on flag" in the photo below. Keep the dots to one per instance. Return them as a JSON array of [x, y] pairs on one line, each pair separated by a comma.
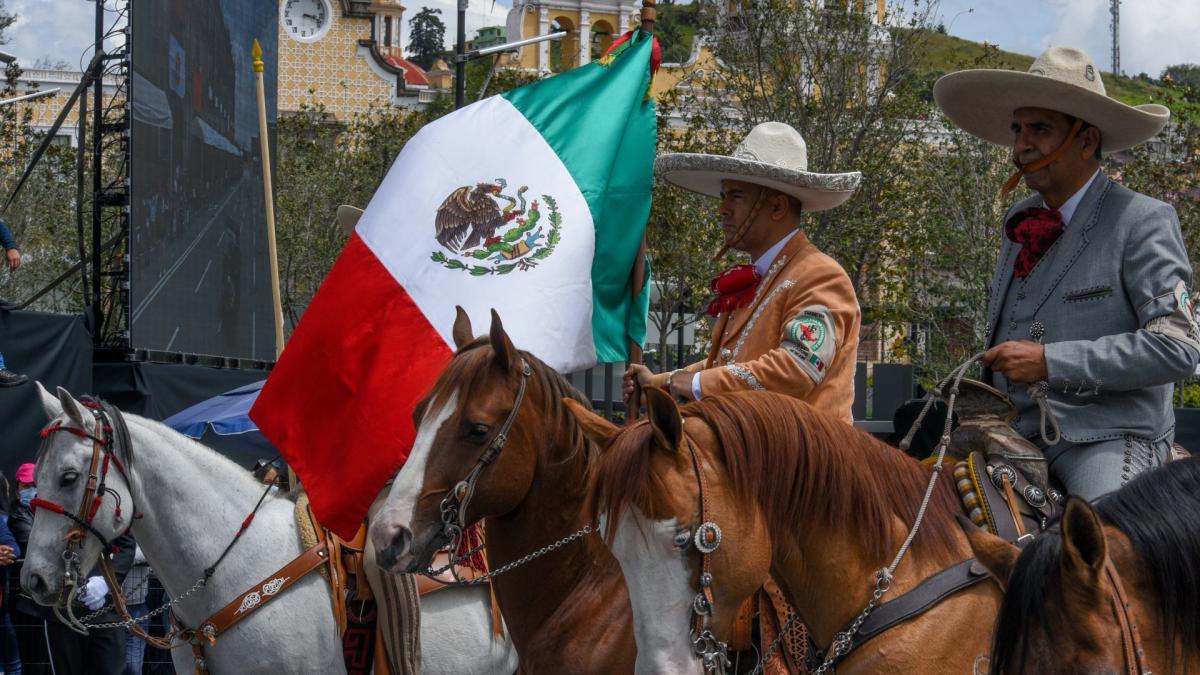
[[598, 120]]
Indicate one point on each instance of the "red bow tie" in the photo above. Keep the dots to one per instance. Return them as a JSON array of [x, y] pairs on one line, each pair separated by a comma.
[[734, 287], [1035, 230]]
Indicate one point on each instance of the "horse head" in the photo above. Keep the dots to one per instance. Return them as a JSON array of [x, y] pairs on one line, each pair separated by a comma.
[[647, 493], [1059, 614], [68, 536], [474, 455]]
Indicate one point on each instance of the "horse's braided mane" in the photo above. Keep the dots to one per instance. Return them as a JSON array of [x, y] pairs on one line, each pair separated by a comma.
[[802, 468], [1157, 511]]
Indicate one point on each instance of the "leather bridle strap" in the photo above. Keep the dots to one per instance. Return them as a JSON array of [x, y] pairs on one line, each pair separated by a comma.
[[1135, 654], [712, 651], [454, 504], [253, 598]]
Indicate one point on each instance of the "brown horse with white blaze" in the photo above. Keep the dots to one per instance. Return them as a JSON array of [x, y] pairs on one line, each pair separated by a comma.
[[1112, 589], [495, 419], [809, 501]]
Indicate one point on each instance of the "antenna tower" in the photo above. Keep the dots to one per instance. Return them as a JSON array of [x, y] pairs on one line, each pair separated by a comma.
[[1114, 8]]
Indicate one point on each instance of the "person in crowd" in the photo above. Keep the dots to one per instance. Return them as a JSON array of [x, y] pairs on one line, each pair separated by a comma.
[[12, 259], [10, 551], [1090, 314], [134, 587]]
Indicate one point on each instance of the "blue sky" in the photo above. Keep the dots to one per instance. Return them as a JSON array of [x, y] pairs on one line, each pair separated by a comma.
[[1154, 33]]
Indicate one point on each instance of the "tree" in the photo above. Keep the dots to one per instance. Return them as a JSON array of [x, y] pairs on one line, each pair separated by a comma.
[[1183, 75], [427, 37]]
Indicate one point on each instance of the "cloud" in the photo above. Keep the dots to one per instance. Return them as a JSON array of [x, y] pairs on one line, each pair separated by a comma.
[[1154, 33]]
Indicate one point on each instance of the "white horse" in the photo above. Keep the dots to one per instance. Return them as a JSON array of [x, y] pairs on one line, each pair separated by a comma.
[[193, 501]]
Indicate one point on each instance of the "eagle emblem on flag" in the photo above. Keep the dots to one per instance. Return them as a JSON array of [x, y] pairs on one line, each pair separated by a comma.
[[486, 231]]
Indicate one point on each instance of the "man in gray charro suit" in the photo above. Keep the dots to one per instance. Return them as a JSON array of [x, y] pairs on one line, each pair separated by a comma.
[[1090, 300]]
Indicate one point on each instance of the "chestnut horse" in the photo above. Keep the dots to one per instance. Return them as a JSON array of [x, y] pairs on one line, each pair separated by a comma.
[[1060, 612], [810, 501], [567, 610]]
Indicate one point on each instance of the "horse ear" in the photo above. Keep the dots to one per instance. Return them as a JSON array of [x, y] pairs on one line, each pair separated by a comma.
[[664, 418], [75, 411], [506, 353], [1084, 550], [50, 402], [595, 428], [996, 555], [462, 328]]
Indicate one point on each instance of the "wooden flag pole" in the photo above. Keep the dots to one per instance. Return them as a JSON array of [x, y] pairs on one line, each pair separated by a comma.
[[269, 202], [634, 404], [268, 197]]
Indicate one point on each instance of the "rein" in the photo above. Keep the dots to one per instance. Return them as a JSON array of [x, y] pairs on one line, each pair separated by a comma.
[[1131, 638], [712, 652]]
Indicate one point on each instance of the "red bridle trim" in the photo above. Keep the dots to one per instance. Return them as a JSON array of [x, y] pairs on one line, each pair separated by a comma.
[[39, 503]]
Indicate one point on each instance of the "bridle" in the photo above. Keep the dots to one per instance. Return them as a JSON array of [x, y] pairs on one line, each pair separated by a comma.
[[1131, 638], [111, 433], [454, 505], [712, 652]]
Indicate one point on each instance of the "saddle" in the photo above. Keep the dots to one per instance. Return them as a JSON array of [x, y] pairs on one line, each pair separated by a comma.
[[1002, 478]]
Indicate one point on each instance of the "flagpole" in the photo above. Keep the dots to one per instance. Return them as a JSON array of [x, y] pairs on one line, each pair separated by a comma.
[[268, 197], [633, 408]]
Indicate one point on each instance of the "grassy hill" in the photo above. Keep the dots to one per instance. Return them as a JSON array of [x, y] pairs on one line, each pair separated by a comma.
[[946, 53]]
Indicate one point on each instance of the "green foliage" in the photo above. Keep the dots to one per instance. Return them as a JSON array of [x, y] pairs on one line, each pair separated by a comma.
[[676, 29], [426, 37]]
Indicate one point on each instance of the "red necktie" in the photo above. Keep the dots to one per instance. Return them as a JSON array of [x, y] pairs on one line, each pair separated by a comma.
[[1036, 230], [734, 287]]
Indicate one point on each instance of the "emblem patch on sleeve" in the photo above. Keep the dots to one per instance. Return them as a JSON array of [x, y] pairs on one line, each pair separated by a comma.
[[1181, 323], [811, 339]]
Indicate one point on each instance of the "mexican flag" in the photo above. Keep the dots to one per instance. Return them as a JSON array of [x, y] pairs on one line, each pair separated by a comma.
[[533, 203]]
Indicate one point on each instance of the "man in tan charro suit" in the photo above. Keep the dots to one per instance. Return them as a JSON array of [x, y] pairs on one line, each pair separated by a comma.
[[787, 323]]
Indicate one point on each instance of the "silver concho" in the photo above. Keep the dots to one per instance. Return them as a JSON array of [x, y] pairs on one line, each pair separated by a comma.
[[1035, 496], [1037, 331], [701, 538], [726, 354], [1001, 470], [1057, 497]]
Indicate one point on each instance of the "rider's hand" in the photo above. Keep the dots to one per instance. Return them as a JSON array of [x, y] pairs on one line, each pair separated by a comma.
[[639, 373], [1021, 361], [12, 259], [6, 555], [92, 595]]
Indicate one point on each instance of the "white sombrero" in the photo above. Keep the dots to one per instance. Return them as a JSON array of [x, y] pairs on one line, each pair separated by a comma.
[[1065, 79], [774, 155]]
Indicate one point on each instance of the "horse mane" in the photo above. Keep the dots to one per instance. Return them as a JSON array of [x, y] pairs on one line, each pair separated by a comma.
[[1157, 512], [800, 466], [468, 367]]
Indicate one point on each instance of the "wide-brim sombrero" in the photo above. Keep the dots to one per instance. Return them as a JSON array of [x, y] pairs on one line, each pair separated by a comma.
[[773, 155], [981, 102]]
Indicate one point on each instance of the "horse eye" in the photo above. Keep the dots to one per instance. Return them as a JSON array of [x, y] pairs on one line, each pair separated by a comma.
[[68, 479], [480, 431]]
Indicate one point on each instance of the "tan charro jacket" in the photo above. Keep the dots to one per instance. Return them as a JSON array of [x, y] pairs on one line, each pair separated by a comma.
[[799, 336]]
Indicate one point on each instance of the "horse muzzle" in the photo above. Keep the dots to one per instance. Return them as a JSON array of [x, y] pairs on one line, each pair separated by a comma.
[[43, 590]]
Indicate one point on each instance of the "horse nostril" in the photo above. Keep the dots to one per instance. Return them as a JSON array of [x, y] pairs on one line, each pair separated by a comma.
[[402, 541], [37, 585]]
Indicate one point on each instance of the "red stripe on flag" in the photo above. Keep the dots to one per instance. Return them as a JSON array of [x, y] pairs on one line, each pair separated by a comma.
[[339, 402]]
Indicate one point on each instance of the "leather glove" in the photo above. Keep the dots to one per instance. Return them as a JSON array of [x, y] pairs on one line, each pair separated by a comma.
[[92, 595]]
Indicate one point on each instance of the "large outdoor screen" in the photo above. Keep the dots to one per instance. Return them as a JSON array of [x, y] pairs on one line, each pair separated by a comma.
[[200, 276]]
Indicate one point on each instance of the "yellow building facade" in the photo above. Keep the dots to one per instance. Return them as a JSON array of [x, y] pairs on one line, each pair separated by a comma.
[[351, 61]]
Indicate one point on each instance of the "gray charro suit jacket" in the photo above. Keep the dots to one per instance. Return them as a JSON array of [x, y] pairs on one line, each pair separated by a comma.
[[1115, 269]]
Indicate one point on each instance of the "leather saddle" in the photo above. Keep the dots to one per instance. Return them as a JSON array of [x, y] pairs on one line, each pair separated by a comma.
[[1002, 478]]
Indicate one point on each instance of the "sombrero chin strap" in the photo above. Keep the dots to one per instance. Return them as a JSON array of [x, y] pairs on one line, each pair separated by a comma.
[[745, 226], [1043, 162]]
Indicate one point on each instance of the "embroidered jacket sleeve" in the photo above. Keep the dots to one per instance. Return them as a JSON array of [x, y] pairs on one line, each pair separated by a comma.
[[1157, 279], [803, 344]]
